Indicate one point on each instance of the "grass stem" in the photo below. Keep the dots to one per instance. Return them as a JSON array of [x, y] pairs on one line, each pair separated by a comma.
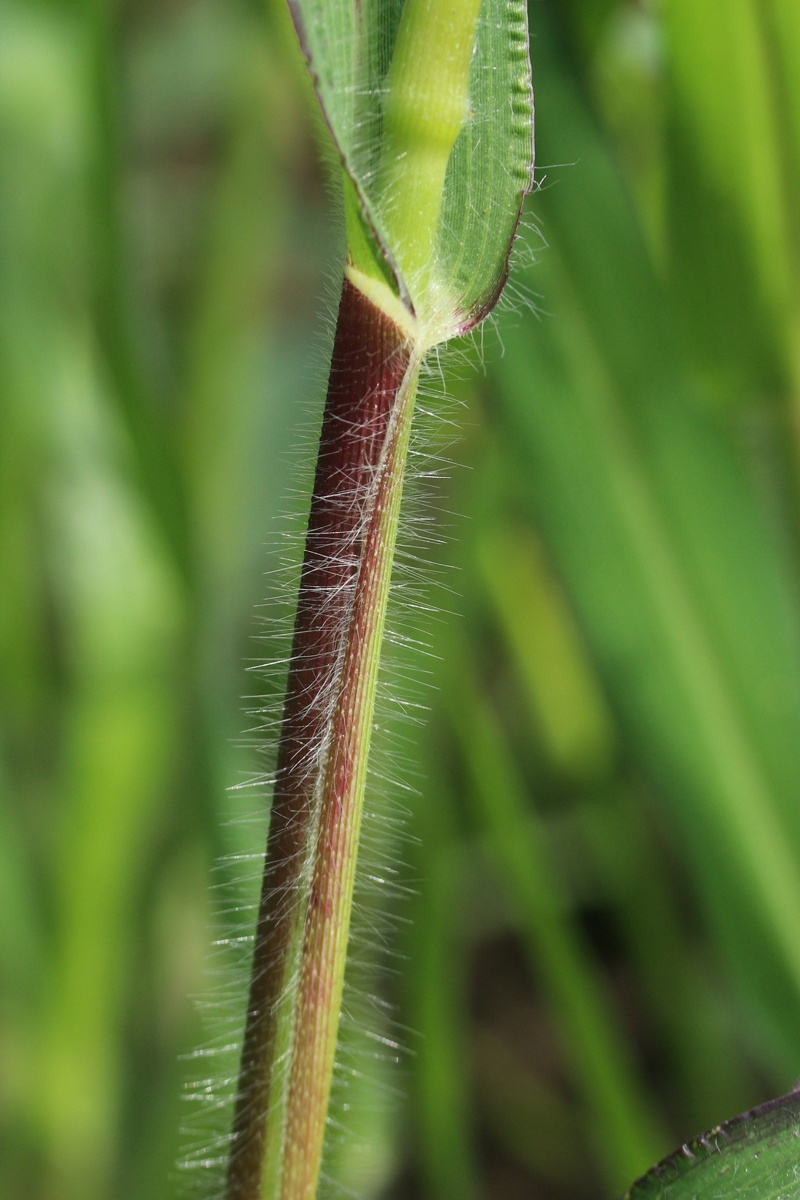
[[304, 913]]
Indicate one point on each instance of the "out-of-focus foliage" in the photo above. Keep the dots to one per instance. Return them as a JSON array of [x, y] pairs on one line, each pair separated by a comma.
[[603, 951]]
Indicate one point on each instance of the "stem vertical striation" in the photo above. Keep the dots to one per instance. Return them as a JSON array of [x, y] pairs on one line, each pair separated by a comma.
[[304, 910]]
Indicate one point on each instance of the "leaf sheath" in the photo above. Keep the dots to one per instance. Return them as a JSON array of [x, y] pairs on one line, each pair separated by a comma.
[[304, 911]]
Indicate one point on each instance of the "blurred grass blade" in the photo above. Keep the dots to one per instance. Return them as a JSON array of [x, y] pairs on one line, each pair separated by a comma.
[[437, 986], [754, 1157], [564, 699], [623, 1128], [782, 22], [671, 557], [568, 710], [728, 213]]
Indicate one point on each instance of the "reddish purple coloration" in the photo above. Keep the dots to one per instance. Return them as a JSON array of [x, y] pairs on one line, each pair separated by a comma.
[[370, 359]]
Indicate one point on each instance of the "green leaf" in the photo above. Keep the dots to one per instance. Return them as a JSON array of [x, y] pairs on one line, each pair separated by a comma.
[[754, 1157], [781, 20], [728, 211], [623, 1128], [434, 130], [669, 556]]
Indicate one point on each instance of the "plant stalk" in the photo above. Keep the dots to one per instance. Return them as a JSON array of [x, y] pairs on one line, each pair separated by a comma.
[[306, 898]]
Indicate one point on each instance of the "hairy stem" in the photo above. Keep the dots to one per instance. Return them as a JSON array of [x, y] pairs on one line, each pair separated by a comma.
[[304, 912]]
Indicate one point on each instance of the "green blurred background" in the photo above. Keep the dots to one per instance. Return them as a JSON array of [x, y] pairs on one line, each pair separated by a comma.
[[587, 944]]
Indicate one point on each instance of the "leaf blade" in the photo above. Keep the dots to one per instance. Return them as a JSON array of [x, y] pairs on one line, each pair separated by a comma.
[[754, 1155], [350, 47]]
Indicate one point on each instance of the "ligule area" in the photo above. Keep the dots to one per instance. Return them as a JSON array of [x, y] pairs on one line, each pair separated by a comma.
[[304, 911]]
